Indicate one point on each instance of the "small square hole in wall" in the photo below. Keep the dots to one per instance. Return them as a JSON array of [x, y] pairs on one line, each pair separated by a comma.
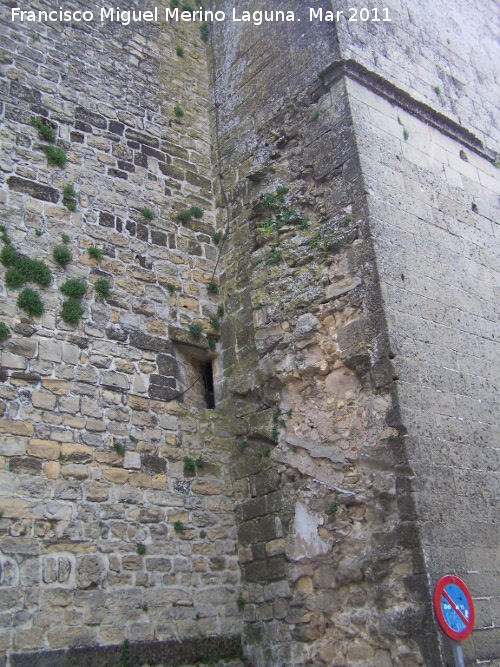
[[196, 375]]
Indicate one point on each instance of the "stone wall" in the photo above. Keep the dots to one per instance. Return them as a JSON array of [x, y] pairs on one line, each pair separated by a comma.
[[353, 278], [106, 533], [434, 207], [359, 349], [326, 553]]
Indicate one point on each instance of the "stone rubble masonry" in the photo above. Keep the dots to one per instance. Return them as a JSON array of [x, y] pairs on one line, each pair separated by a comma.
[[353, 457], [360, 351]]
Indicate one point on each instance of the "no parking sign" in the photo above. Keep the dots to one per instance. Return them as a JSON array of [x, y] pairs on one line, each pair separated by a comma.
[[454, 611]]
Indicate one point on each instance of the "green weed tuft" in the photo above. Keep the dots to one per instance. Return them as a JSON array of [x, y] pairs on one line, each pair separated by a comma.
[[71, 311], [147, 213], [196, 329], [180, 51], [179, 527], [95, 252], [212, 344], [4, 331], [62, 255], [45, 131], [56, 156], [213, 288], [141, 549], [102, 289], [65, 239], [205, 31], [178, 112], [74, 288], [119, 448], [196, 212], [29, 300]]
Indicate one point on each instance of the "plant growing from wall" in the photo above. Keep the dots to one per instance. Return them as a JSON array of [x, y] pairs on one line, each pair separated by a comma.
[[213, 288], [215, 323], [4, 331], [95, 253], [147, 213], [205, 31], [273, 256], [314, 116], [22, 269], [62, 255], [240, 602], [45, 130], [73, 288], [179, 527], [126, 660], [220, 310], [196, 329], [178, 111], [141, 549], [438, 91], [187, 214], [212, 344], [71, 311], [65, 238], [216, 238], [29, 300], [56, 156], [180, 51], [102, 289], [333, 508], [171, 289], [38, 232], [69, 197], [196, 212], [191, 465], [119, 448]]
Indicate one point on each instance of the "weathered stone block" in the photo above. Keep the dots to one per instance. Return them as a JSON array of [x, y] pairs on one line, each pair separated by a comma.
[[76, 453], [43, 401], [44, 449]]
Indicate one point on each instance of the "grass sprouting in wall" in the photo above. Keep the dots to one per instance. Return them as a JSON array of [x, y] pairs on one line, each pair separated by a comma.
[[95, 253], [196, 330], [71, 311], [4, 331], [45, 130], [69, 197], [213, 288], [29, 300], [62, 255], [73, 288], [147, 213], [102, 289], [205, 31], [56, 156]]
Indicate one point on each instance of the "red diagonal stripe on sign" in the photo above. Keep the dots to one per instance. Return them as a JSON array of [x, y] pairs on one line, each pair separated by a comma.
[[455, 607]]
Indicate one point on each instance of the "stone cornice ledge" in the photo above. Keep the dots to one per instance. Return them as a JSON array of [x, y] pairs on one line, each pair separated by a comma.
[[387, 90]]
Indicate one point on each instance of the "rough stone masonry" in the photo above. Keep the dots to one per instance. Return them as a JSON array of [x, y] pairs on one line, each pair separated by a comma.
[[300, 223]]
